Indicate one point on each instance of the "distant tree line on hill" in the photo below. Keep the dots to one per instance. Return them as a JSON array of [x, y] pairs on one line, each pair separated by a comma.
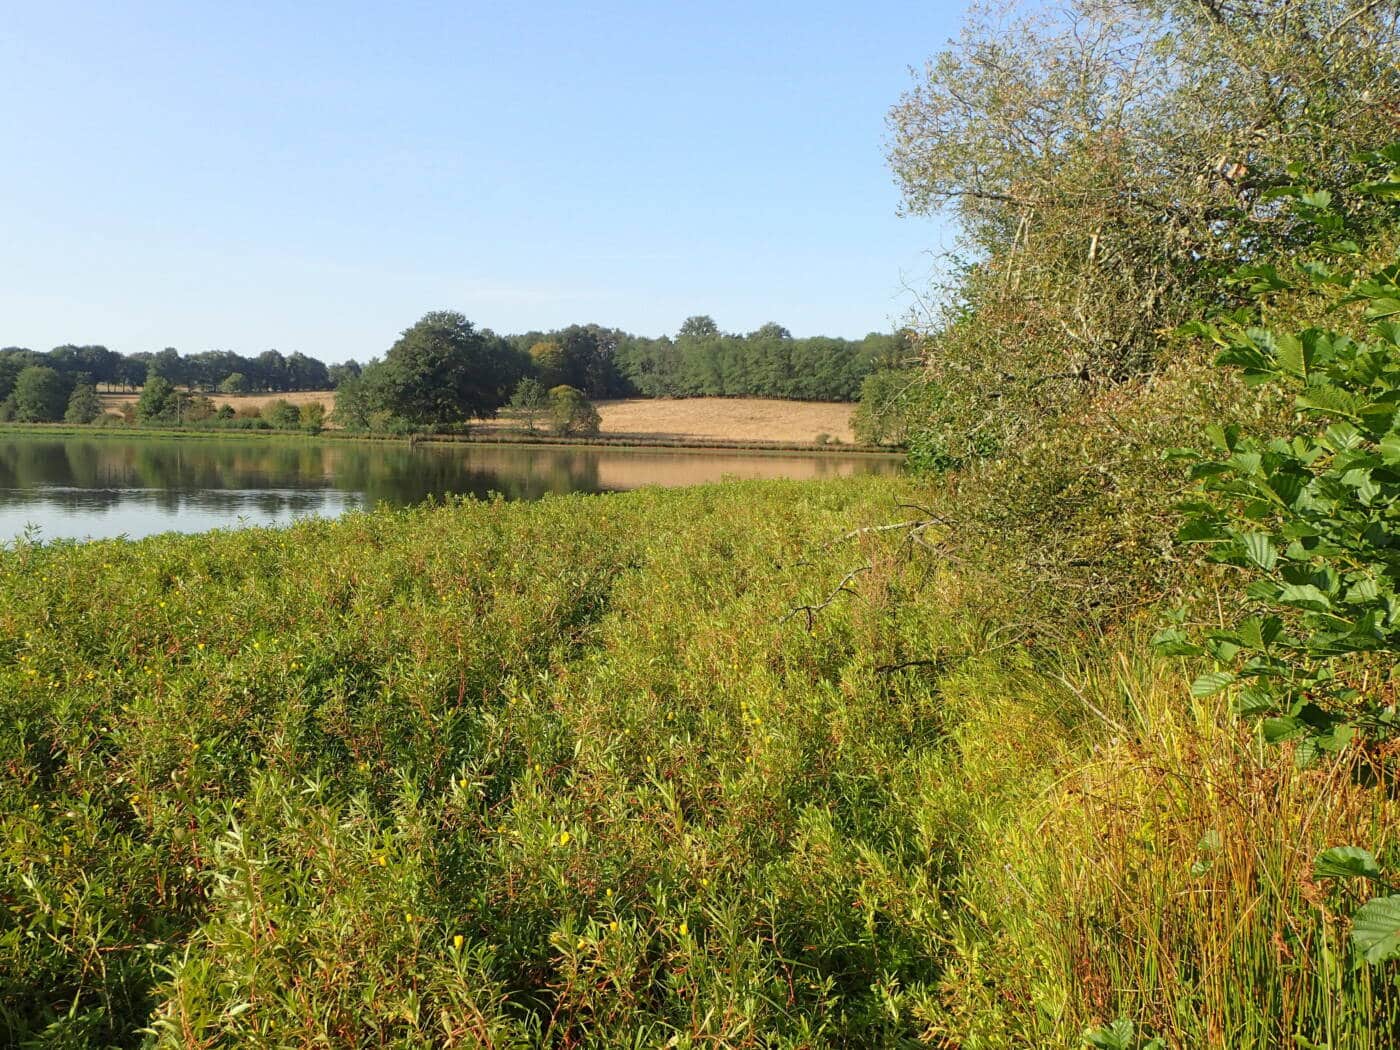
[[213, 371], [445, 370], [702, 361]]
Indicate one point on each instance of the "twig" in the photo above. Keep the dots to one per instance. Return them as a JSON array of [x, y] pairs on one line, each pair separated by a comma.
[[911, 524], [812, 610]]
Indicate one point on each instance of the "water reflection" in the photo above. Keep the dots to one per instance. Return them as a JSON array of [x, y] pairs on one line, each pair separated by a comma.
[[76, 487]]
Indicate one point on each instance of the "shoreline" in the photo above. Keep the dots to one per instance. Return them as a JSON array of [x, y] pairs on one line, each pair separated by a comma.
[[621, 443]]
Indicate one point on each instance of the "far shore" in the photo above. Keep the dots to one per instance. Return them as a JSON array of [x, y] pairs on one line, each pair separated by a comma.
[[487, 435], [721, 422]]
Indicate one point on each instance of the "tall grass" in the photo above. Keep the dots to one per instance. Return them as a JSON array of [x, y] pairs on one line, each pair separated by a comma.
[[1156, 865]]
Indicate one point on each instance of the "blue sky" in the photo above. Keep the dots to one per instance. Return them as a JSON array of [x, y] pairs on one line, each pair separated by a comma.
[[315, 176]]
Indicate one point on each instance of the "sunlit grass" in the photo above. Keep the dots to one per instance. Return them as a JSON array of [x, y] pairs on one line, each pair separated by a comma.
[[568, 773]]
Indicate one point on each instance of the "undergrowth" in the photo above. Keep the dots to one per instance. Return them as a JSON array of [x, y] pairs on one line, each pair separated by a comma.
[[578, 773]]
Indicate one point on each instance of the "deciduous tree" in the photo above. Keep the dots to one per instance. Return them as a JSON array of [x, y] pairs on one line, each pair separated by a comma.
[[445, 370], [39, 395]]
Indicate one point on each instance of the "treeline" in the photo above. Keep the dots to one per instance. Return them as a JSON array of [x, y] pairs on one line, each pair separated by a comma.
[[444, 370], [702, 361], [212, 371], [699, 361]]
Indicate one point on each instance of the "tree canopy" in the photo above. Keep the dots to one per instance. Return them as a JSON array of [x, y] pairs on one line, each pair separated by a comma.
[[39, 395], [1108, 163], [445, 370]]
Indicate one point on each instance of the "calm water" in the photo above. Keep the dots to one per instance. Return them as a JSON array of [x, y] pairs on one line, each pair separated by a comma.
[[72, 487]]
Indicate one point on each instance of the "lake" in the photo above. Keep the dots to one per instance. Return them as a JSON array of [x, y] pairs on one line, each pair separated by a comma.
[[95, 487]]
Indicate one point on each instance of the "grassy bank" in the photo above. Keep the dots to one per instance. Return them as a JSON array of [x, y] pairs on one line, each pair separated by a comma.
[[586, 771]]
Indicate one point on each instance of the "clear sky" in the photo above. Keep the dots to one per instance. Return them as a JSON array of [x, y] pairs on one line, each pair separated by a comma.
[[315, 176]]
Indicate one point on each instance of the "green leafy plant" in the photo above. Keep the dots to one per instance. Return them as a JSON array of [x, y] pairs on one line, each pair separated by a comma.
[[1375, 931], [1312, 516], [1121, 1035]]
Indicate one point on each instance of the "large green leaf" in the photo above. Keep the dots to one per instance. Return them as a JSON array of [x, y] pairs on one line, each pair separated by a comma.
[[1326, 398], [1342, 862], [1375, 930], [1211, 683], [1277, 730], [1259, 548], [1173, 641], [1305, 596], [1291, 357]]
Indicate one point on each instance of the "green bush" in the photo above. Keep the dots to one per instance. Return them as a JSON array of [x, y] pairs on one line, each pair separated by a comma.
[[1308, 514], [282, 415], [158, 403], [84, 405], [572, 414], [313, 416]]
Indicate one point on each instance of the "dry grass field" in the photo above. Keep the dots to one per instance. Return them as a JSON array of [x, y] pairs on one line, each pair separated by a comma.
[[722, 419], [734, 419], [700, 418], [114, 402]]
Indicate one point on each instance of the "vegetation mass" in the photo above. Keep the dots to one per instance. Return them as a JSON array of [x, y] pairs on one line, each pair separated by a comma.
[[1084, 735], [442, 372]]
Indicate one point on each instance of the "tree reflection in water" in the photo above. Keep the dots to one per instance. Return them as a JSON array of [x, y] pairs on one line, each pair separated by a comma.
[[106, 486]]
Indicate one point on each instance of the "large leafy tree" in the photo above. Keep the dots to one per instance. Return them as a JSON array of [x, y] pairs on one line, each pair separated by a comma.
[[1106, 161], [445, 370], [358, 398], [159, 402], [306, 373], [40, 395], [549, 362]]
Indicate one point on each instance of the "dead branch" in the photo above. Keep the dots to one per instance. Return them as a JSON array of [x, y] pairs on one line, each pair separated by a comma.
[[841, 588]]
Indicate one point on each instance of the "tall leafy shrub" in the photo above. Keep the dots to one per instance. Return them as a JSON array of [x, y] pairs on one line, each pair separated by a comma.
[[1311, 518]]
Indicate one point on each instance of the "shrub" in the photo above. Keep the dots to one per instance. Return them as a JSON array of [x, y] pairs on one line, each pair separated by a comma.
[[571, 413], [158, 402], [196, 410], [84, 405], [529, 399], [1307, 514], [282, 415], [313, 416], [234, 383]]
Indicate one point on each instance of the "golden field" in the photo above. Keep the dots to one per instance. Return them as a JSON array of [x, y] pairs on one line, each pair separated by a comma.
[[700, 418]]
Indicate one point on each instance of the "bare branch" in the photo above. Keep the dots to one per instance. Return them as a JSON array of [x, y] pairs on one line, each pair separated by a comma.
[[841, 588]]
